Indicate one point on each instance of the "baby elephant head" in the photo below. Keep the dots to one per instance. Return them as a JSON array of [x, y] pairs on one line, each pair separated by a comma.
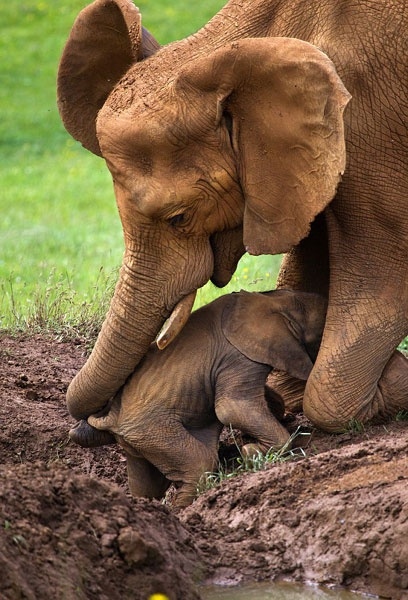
[[281, 328]]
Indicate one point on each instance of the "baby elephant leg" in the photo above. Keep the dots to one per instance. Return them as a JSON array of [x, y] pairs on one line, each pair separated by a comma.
[[185, 456], [240, 402], [289, 389], [253, 417], [145, 480]]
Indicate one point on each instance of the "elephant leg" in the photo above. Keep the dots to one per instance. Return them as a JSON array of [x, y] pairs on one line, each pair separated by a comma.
[[390, 397], [392, 392], [366, 318], [185, 456], [252, 416], [367, 315], [240, 402], [145, 480], [304, 268], [362, 379], [286, 387]]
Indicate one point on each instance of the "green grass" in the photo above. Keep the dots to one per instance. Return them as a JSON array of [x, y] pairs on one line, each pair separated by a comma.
[[60, 234], [355, 426], [402, 415], [259, 462]]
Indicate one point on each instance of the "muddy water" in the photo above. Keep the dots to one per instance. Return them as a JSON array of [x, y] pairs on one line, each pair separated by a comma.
[[279, 591]]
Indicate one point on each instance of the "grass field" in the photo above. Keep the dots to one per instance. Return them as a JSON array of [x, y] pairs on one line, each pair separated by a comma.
[[60, 235]]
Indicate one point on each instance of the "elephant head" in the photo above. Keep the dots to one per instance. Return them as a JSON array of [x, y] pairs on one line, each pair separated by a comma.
[[215, 146]]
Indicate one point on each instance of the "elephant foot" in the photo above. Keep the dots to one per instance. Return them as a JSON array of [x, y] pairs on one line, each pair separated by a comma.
[[185, 494], [252, 451], [87, 436]]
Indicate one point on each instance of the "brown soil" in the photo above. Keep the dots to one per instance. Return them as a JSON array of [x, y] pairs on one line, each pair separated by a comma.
[[70, 530]]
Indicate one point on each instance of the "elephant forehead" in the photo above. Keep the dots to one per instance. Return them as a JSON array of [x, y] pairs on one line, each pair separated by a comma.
[[130, 130], [152, 142], [164, 118]]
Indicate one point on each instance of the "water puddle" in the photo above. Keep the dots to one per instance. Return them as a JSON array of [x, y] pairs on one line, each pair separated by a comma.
[[279, 591]]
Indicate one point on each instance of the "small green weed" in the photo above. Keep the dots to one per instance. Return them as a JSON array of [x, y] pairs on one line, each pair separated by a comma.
[[402, 415], [18, 539], [403, 347], [355, 426]]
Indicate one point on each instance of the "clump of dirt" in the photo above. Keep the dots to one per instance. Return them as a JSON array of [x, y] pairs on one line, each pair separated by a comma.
[[67, 536], [70, 529]]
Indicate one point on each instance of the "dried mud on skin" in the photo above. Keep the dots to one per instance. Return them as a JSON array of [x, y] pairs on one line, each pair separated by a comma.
[[69, 528]]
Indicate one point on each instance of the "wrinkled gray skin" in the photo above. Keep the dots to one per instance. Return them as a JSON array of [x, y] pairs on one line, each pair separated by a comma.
[[170, 413], [233, 139]]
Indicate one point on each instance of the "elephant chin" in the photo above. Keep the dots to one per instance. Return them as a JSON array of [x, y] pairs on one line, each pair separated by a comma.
[[176, 321]]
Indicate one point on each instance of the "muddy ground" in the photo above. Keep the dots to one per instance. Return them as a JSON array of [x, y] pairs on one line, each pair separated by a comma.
[[70, 530]]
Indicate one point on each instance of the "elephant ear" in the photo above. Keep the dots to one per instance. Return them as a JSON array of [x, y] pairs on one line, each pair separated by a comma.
[[259, 328], [106, 39], [283, 102]]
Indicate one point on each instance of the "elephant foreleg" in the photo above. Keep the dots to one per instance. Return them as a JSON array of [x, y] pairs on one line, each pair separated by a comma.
[[383, 399], [391, 395], [358, 374], [253, 418]]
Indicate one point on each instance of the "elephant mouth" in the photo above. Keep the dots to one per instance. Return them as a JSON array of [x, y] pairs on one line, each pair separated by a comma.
[[176, 321]]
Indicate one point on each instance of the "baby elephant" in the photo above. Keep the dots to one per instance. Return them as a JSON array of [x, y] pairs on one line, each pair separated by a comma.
[[169, 415]]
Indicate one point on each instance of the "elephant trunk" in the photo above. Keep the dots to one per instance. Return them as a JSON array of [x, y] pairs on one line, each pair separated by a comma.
[[128, 330]]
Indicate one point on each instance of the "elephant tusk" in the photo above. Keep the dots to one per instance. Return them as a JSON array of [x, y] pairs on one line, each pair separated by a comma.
[[176, 321]]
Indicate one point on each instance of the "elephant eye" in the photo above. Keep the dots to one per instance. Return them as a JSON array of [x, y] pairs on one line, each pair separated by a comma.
[[177, 220]]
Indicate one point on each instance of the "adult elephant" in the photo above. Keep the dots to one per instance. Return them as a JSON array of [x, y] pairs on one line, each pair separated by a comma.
[[232, 139]]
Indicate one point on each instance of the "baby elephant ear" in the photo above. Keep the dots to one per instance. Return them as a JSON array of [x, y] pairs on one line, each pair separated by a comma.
[[106, 39], [257, 327]]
